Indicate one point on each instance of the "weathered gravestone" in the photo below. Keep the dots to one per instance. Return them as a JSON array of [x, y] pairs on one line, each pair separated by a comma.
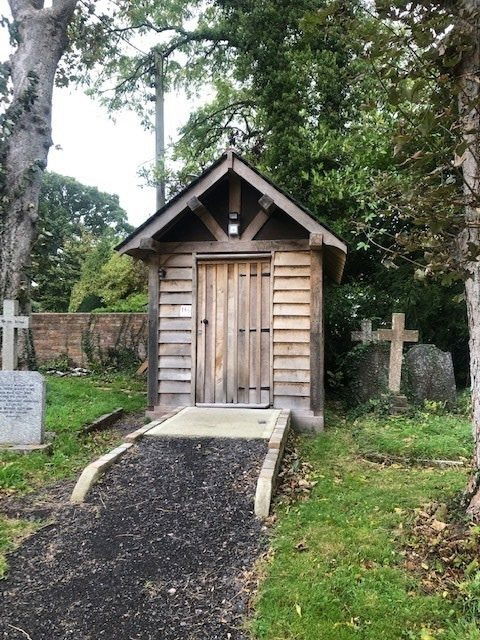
[[22, 404], [430, 376], [22, 393], [366, 372]]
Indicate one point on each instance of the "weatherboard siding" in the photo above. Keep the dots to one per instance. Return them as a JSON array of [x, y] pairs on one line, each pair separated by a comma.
[[175, 331], [291, 330]]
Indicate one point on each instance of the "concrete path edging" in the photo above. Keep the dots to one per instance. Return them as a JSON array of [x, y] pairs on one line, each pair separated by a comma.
[[94, 470], [103, 421], [271, 465], [139, 433]]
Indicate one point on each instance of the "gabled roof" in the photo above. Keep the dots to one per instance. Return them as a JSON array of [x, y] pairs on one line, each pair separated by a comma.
[[230, 161]]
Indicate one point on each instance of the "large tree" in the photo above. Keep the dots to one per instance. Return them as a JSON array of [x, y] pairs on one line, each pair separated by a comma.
[[39, 36]]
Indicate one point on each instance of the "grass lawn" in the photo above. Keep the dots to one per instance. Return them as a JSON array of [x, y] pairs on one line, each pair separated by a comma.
[[71, 403], [337, 570]]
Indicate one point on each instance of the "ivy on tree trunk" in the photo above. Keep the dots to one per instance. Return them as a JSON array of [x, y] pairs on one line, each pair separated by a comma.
[[41, 39]]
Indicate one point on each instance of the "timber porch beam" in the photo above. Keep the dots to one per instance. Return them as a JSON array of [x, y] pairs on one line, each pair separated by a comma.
[[233, 246]]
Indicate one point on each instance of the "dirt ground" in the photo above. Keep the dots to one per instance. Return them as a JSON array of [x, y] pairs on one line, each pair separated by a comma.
[[161, 550]]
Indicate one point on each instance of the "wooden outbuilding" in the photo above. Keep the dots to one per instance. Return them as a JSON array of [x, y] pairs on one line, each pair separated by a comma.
[[236, 271]]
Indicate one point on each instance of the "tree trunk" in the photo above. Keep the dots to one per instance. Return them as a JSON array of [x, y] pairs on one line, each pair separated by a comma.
[[469, 239], [42, 40]]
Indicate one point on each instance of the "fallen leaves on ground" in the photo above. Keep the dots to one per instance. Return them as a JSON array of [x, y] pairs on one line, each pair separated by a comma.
[[295, 480], [442, 549]]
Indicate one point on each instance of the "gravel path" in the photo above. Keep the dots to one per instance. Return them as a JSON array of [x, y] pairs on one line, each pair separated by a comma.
[[159, 551]]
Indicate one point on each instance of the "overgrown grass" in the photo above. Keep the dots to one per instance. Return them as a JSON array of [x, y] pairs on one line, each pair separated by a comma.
[[71, 403], [424, 435], [350, 582]]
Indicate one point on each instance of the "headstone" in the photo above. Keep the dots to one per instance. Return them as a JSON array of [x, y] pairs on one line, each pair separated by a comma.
[[430, 376], [365, 335], [22, 403], [397, 336], [366, 372]]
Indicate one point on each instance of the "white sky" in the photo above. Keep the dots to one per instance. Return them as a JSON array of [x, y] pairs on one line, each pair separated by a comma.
[[104, 153]]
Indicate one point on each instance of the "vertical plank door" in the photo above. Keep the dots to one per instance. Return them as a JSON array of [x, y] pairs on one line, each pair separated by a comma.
[[233, 332]]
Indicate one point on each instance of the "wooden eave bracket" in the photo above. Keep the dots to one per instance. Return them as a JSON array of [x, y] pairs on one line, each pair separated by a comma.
[[149, 244], [316, 241], [267, 204], [208, 220]]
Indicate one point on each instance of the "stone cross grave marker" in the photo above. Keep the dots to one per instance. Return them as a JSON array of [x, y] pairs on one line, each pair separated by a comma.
[[397, 335], [366, 334], [9, 323]]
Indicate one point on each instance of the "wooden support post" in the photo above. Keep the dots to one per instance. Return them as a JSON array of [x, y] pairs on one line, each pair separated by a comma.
[[234, 193], [153, 309], [317, 392]]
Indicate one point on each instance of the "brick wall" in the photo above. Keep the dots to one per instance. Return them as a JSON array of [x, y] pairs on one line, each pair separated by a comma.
[[59, 334]]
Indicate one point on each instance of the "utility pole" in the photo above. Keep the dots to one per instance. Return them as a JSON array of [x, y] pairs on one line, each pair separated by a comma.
[[160, 127]]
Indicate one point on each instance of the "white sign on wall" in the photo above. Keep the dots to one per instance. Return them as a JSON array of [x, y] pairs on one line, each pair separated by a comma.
[[186, 311]]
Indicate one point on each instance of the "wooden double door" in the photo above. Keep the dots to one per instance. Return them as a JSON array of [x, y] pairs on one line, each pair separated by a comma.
[[233, 340]]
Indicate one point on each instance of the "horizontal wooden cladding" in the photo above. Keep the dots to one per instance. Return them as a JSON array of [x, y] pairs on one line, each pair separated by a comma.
[[291, 310], [297, 284], [287, 271], [291, 402], [292, 258], [171, 311], [302, 297], [291, 329], [175, 374], [169, 297], [174, 337], [291, 322], [177, 273], [174, 349], [175, 331], [291, 335], [291, 362], [174, 399], [289, 349], [291, 375], [292, 388], [176, 324], [174, 386], [175, 286], [175, 362]]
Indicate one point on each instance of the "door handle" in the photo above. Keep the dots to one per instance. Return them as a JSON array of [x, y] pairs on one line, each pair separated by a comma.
[[205, 321]]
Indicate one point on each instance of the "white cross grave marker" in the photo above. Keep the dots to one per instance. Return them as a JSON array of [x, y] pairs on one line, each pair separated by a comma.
[[366, 334], [9, 323], [397, 335]]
